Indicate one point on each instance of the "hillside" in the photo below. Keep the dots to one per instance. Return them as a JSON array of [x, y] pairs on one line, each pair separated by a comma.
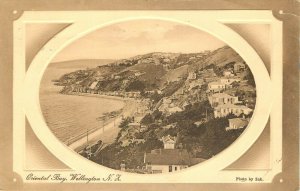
[[152, 71]]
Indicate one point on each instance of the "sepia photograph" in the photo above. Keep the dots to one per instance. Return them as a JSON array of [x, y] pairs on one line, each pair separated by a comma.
[[147, 96]]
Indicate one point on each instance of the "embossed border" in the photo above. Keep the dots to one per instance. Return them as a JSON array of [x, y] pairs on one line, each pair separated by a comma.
[[290, 83]]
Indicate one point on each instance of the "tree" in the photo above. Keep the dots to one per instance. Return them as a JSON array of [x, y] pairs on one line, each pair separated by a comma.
[[229, 65], [124, 123], [136, 86], [155, 97], [147, 119], [151, 144], [249, 77], [235, 84]]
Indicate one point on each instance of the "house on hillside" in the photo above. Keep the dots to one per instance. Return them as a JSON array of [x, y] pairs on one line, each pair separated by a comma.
[[169, 126], [100, 78], [196, 83], [169, 142], [210, 79], [125, 82], [132, 94], [192, 76], [137, 74], [175, 109], [222, 98], [167, 100], [134, 126], [225, 109], [117, 77], [228, 73], [153, 91], [93, 85], [216, 86], [237, 123], [228, 81], [168, 159], [239, 66], [185, 103]]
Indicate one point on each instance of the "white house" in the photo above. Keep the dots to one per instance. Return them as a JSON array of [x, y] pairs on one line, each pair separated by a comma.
[[153, 91], [169, 126], [93, 85], [192, 76], [167, 100], [228, 81], [125, 81], [174, 109], [237, 123], [169, 142], [226, 109], [139, 73], [168, 159], [222, 98], [216, 86], [117, 77], [196, 83], [132, 94], [239, 66], [227, 73], [134, 125]]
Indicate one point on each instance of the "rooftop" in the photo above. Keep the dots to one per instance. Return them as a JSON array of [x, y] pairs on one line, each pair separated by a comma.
[[168, 157], [168, 138], [134, 124], [215, 83], [239, 122], [221, 95], [229, 105]]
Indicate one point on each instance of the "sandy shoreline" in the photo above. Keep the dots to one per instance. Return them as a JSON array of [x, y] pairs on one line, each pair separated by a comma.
[[110, 130], [101, 96]]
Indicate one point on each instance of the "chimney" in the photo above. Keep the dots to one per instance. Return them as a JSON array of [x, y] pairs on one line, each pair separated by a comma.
[[123, 166]]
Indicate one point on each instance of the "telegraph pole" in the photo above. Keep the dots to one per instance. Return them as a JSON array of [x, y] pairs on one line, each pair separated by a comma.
[[87, 136], [103, 125]]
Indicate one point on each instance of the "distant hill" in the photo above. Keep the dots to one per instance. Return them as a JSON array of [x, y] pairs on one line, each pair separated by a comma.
[[84, 64], [222, 56], [150, 71]]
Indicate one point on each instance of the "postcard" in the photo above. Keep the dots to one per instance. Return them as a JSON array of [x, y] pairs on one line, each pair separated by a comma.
[[113, 99]]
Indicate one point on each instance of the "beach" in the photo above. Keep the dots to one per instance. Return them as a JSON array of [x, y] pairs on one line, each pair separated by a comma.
[[69, 117], [109, 131]]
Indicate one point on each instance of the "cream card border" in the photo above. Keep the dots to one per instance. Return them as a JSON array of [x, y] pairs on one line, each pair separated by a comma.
[[269, 93]]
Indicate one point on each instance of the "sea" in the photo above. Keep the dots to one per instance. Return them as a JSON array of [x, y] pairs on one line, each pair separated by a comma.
[[70, 116]]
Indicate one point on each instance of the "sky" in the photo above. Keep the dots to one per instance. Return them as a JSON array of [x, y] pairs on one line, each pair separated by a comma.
[[131, 38]]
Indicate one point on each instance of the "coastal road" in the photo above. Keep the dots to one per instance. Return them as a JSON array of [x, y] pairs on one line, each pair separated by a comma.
[[109, 132]]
